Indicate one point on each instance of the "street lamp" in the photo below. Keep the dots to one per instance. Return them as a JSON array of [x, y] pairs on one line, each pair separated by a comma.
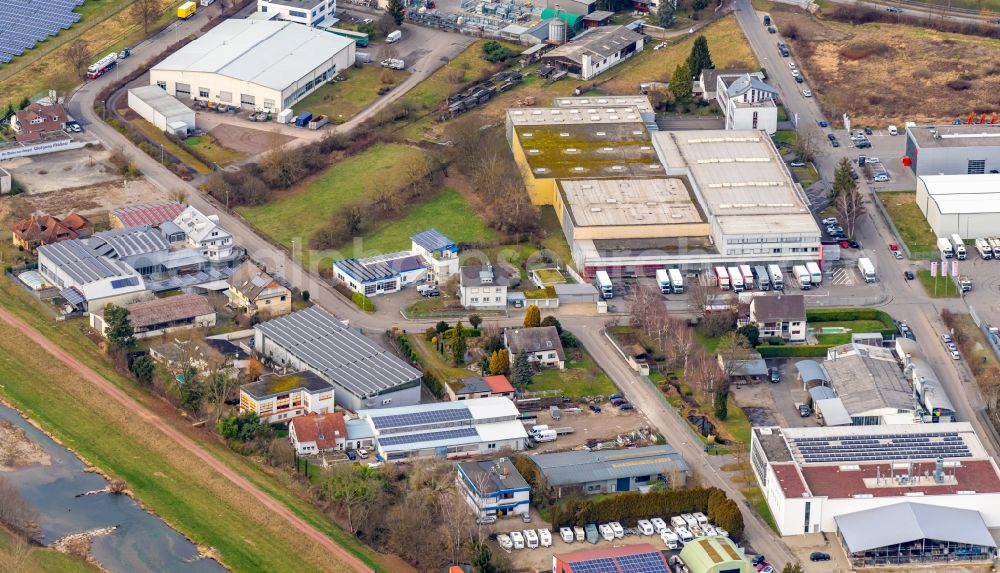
[[161, 153]]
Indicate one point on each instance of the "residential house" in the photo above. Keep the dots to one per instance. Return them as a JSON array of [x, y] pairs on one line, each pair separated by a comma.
[[608, 471], [89, 281], [159, 316], [278, 397], [484, 287], [480, 387], [31, 122], [364, 374], [747, 103], [494, 487], [41, 229], [440, 253], [782, 315], [542, 345], [315, 433], [708, 80], [205, 235], [153, 214], [252, 289], [381, 274]]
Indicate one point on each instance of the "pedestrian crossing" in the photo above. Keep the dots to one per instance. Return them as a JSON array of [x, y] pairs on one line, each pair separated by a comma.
[[843, 277]]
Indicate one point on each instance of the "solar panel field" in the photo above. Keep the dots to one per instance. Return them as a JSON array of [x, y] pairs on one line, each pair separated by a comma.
[[24, 23]]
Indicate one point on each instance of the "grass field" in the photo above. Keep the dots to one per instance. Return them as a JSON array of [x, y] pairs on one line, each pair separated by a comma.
[[41, 560], [910, 222], [447, 211], [806, 176], [554, 243], [210, 147], [168, 480], [581, 377], [946, 287], [297, 214], [340, 101], [154, 133], [434, 363], [853, 326], [104, 26]]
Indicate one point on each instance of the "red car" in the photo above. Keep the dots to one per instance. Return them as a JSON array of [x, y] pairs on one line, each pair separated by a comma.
[[845, 245], [893, 247]]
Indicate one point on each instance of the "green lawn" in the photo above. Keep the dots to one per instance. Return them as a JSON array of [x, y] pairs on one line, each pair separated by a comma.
[[43, 560], [946, 287], [806, 176], [759, 503], [340, 101], [709, 344], [447, 211], [170, 481], [434, 363], [911, 223], [298, 214], [855, 326], [210, 147], [160, 138], [581, 377]]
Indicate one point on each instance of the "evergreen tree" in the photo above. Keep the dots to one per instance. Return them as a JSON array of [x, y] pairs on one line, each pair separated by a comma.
[[24, 103], [665, 13], [552, 321], [500, 362], [10, 110], [397, 10], [120, 333], [192, 391], [681, 84], [533, 317], [722, 403], [521, 373], [458, 346], [700, 58], [843, 180], [143, 368], [751, 332]]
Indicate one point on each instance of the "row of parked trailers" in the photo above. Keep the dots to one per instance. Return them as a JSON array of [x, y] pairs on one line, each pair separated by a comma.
[[739, 278], [480, 93]]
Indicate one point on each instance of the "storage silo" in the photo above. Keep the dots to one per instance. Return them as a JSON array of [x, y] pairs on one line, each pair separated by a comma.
[[557, 31]]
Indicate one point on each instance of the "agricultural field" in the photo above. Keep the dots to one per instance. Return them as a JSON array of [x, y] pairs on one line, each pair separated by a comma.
[[945, 77], [447, 211], [340, 101], [297, 213], [172, 482], [105, 25], [910, 221]]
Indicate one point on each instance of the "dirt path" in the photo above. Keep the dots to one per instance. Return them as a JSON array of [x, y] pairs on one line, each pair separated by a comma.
[[183, 441]]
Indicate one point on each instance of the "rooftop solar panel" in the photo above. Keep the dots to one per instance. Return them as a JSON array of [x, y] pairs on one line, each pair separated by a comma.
[[421, 418], [603, 565], [428, 437], [642, 563]]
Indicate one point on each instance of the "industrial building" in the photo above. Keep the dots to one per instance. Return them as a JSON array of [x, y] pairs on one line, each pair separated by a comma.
[[968, 205], [319, 13], [715, 554], [595, 51], [162, 110], [254, 64], [868, 386], [87, 279], [631, 200], [437, 251], [920, 534], [937, 406], [627, 558], [813, 476], [446, 429], [607, 471], [494, 487], [163, 315], [153, 214], [364, 374], [381, 274], [953, 149], [747, 102]]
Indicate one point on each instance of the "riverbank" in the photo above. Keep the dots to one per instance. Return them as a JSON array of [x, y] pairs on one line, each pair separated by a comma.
[[21, 557], [17, 451]]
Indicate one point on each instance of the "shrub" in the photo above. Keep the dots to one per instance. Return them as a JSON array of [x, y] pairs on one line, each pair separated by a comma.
[[363, 302], [494, 52], [775, 341], [959, 85]]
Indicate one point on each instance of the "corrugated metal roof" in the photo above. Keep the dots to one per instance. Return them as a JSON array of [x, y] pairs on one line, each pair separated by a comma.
[[158, 99], [82, 264], [910, 521], [272, 54], [148, 213], [127, 242], [565, 468]]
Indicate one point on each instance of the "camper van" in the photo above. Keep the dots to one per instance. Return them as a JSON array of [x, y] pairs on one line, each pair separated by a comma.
[[659, 524], [579, 533], [545, 538], [645, 527], [670, 539], [531, 539], [606, 532], [567, 534]]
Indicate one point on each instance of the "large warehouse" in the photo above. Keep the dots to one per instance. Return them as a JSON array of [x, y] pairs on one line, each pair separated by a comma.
[[953, 149], [254, 64], [814, 476], [965, 204]]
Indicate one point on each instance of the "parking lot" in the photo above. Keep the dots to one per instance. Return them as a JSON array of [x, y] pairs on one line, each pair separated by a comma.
[[776, 403], [606, 425]]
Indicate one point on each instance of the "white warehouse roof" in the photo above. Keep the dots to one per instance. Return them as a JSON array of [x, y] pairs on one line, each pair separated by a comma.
[[964, 194], [272, 54], [158, 99]]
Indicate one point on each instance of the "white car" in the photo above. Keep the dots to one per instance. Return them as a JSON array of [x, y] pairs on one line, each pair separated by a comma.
[[659, 524], [881, 177], [955, 355], [617, 529], [792, 66], [807, 93], [566, 534], [517, 539], [721, 532], [830, 221], [545, 537]]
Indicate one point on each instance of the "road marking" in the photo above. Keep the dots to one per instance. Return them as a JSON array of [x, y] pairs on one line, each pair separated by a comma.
[[843, 277]]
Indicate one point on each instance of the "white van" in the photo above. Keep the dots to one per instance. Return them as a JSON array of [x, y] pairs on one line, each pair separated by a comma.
[[893, 130], [645, 527], [566, 534]]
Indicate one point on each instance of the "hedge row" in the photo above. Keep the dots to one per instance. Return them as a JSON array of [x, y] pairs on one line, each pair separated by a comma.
[[628, 507], [432, 383], [788, 351], [849, 314], [363, 302]]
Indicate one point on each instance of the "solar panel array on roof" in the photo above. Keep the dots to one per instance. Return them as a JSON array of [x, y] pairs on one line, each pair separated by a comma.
[[72, 296], [421, 418], [24, 23], [82, 264], [184, 281], [878, 447], [641, 563], [432, 240], [602, 565], [344, 357], [125, 282], [428, 437]]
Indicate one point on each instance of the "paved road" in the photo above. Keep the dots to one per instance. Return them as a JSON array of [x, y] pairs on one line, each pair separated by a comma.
[[149, 417]]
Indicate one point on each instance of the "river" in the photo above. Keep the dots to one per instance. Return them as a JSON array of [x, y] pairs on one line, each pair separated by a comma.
[[142, 542]]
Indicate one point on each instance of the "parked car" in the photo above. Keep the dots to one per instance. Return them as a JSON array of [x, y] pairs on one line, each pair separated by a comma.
[[908, 275], [829, 221], [797, 163], [618, 402], [898, 255], [351, 455], [831, 136], [626, 406], [834, 143], [804, 410], [807, 92], [824, 123], [526, 517], [868, 131], [893, 247], [799, 79], [486, 519], [844, 245], [792, 66], [615, 395], [955, 355], [894, 10], [432, 293], [772, 30], [775, 376], [595, 408], [819, 556], [946, 338]]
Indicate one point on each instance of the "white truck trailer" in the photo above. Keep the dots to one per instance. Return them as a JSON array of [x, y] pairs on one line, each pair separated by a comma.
[[736, 278], [604, 282], [958, 245], [995, 245], [777, 279], [747, 276], [944, 245], [760, 275], [802, 275], [984, 248], [676, 281], [867, 270], [815, 274], [663, 281]]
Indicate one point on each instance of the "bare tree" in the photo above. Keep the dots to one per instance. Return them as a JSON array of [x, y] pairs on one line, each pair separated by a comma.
[[78, 54], [16, 514], [145, 12], [850, 206], [353, 488], [806, 147], [680, 344], [458, 524]]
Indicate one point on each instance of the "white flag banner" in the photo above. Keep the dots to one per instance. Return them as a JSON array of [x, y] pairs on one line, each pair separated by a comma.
[[933, 269], [954, 268]]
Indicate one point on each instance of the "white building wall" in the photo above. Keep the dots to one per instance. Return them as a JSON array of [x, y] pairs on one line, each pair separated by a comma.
[[309, 15], [155, 116], [487, 296], [968, 225], [738, 117]]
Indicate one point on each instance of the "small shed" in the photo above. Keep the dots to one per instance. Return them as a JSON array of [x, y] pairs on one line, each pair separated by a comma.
[[597, 18], [576, 293], [161, 109]]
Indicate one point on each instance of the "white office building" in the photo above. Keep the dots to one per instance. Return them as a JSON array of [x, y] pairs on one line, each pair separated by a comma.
[[318, 13], [254, 64], [747, 102]]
